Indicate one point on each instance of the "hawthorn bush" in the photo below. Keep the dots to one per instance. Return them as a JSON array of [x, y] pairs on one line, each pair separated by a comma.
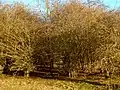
[[17, 28]]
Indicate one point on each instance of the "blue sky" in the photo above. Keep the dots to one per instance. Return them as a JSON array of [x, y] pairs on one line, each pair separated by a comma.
[[111, 3]]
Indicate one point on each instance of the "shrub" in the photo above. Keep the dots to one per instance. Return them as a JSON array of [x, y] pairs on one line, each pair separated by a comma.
[[73, 37], [17, 27]]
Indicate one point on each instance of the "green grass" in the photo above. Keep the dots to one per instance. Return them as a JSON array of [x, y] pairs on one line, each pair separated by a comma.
[[22, 83]]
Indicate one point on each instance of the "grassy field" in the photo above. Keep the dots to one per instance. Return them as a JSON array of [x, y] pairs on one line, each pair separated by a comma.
[[32, 83], [22, 83]]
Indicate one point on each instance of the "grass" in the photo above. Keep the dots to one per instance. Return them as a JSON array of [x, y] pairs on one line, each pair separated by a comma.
[[22, 83]]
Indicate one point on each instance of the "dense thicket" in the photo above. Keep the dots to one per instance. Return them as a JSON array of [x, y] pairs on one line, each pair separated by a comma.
[[17, 27], [78, 37]]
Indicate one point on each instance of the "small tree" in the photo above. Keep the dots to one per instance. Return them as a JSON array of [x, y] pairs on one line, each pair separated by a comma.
[[18, 26]]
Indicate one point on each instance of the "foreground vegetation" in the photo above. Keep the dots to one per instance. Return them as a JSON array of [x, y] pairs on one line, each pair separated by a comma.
[[35, 83], [22, 83]]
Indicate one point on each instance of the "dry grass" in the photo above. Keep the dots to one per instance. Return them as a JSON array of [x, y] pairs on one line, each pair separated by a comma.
[[21, 83]]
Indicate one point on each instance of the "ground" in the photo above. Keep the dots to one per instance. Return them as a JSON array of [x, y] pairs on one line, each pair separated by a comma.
[[24, 83]]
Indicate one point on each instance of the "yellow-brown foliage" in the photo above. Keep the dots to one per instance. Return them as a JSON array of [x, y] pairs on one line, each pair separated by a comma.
[[17, 27], [83, 38]]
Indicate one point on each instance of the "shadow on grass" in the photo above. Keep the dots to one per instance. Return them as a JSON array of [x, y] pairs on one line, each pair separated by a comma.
[[106, 86], [89, 81]]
